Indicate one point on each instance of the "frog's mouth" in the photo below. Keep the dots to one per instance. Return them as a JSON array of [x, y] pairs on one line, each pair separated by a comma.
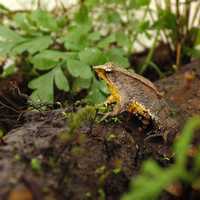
[[114, 92]]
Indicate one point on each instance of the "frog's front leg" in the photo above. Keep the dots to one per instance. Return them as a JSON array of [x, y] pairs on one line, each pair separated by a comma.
[[114, 112], [110, 100]]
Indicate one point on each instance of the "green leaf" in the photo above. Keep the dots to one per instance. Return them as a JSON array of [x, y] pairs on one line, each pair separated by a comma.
[[48, 59], [117, 56], [122, 39], [80, 84], [142, 26], [103, 87], [44, 20], [62, 21], [112, 17], [6, 47], [92, 56], [9, 70], [22, 21], [97, 93], [192, 52], [166, 20], [139, 3], [74, 67], [61, 80], [95, 96], [43, 87], [76, 39], [79, 69], [8, 35], [92, 3], [33, 45], [82, 16], [95, 36], [182, 145], [104, 43]]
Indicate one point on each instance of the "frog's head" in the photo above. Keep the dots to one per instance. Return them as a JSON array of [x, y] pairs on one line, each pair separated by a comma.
[[105, 72]]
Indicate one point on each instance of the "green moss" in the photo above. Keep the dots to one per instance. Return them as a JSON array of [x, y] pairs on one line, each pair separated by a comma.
[[36, 165], [84, 115]]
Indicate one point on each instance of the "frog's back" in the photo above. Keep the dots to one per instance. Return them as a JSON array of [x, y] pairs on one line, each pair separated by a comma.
[[139, 78], [133, 90]]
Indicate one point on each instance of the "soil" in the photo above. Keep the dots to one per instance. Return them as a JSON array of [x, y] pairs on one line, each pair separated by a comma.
[[99, 161]]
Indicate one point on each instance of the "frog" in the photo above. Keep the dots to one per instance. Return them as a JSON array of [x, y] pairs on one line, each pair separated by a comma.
[[136, 94]]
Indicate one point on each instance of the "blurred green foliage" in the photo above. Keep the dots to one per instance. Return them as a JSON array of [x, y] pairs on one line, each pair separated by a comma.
[[59, 48], [154, 179]]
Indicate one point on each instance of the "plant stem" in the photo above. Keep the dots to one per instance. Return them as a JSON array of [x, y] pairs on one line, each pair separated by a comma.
[[196, 12], [150, 54], [160, 73], [187, 15], [178, 34], [168, 5]]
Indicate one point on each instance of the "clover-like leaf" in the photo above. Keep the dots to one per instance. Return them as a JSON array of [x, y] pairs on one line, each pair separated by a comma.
[[48, 59], [61, 80], [44, 20], [6, 47], [33, 45], [8, 40], [79, 69], [94, 36], [7, 35], [92, 56], [122, 39], [104, 43], [166, 20], [80, 83], [76, 39], [43, 87], [97, 93], [22, 21], [117, 56]]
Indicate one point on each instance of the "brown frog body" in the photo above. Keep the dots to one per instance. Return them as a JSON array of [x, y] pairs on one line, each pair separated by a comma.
[[136, 94]]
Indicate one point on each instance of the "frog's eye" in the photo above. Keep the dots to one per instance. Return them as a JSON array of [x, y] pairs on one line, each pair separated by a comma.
[[108, 69]]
